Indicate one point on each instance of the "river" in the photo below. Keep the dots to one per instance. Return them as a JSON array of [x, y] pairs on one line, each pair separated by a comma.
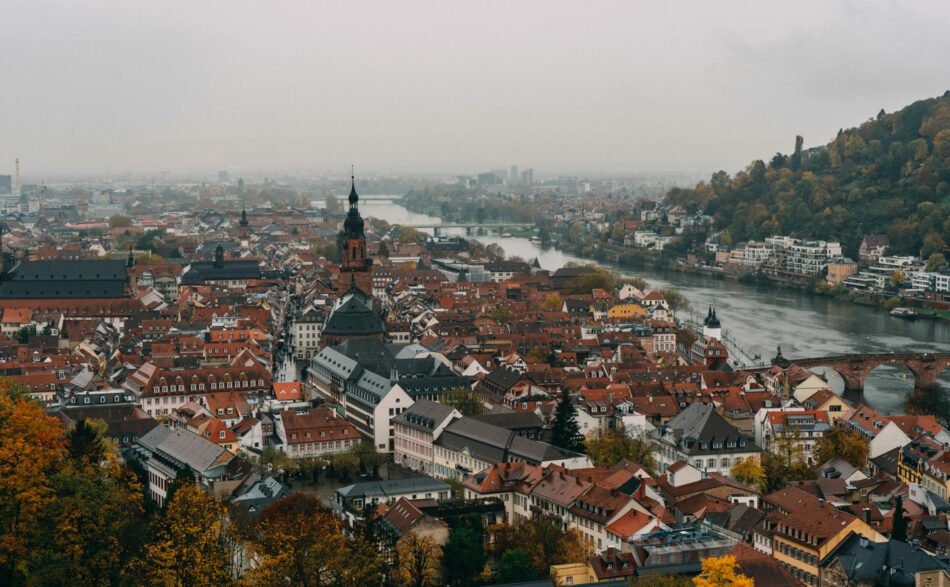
[[760, 318]]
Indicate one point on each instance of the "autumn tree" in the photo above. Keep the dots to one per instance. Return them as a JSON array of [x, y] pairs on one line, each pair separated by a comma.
[[92, 532], [848, 444], [659, 580], [188, 548], [418, 560], [936, 262], [464, 401], [675, 299], [31, 453], [298, 541], [607, 448], [120, 221], [566, 432], [586, 282], [721, 572], [501, 314], [544, 540], [897, 278], [751, 472], [184, 477], [552, 301]]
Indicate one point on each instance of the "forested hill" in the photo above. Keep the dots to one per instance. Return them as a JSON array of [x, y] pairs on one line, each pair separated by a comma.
[[891, 175]]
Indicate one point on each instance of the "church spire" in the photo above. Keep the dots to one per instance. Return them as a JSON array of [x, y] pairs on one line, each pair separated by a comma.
[[354, 198]]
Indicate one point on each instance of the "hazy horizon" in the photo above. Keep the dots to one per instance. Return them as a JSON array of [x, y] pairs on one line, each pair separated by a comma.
[[442, 88]]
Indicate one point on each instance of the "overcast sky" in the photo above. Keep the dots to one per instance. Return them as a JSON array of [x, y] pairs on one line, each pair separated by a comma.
[[625, 86]]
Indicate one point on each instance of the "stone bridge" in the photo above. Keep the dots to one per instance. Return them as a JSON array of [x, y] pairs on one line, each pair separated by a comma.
[[855, 368]]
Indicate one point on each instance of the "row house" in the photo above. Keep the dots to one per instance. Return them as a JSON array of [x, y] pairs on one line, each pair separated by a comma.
[[415, 431], [801, 530], [700, 436], [795, 428], [158, 391], [468, 445], [315, 433], [603, 505]]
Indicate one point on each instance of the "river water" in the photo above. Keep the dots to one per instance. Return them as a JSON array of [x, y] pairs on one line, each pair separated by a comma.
[[759, 318]]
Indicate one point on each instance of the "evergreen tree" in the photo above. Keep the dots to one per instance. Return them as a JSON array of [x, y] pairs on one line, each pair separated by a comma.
[[566, 432], [84, 443], [899, 531]]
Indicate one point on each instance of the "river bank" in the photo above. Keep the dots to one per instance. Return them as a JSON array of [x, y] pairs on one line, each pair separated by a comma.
[[759, 317]]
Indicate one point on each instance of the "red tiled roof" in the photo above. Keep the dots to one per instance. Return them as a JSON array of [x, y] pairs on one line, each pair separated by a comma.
[[289, 390]]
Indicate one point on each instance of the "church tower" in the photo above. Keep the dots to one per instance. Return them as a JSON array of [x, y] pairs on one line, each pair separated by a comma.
[[244, 230], [356, 267]]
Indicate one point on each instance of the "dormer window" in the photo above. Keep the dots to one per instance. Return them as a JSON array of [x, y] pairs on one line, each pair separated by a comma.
[[221, 434]]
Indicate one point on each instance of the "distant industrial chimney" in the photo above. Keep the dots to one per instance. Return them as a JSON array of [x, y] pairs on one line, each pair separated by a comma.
[[16, 188]]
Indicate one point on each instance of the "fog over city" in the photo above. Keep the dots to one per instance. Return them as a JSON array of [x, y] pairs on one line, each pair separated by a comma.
[[99, 86]]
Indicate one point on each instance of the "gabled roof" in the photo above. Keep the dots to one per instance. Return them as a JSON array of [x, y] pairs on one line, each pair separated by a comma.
[[186, 448]]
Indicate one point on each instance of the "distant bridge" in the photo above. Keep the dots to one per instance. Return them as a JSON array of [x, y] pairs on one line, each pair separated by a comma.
[[470, 226], [854, 368]]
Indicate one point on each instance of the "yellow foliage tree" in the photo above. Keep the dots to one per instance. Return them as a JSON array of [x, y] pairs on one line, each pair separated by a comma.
[[543, 539], [608, 448], [300, 542], [31, 451], [751, 472], [418, 561], [721, 572], [552, 301], [189, 546]]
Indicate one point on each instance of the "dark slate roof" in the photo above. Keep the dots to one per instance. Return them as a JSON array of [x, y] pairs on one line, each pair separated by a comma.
[[354, 315], [504, 377], [392, 487], [201, 271], [512, 420], [65, 279], [887, 462], [867, 561], [701, 422], [739, 518], [494, 444], [424, 414], [371, 354]]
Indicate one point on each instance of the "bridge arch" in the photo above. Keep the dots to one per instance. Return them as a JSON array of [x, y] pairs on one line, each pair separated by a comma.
[[835, 380]]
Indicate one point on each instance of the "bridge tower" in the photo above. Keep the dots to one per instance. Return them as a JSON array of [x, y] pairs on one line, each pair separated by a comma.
[[711, 326]]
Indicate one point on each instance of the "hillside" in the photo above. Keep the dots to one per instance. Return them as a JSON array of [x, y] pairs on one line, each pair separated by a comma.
[[891, 175]]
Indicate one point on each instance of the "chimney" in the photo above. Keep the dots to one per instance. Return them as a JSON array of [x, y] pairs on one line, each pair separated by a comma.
[[867, 516]]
